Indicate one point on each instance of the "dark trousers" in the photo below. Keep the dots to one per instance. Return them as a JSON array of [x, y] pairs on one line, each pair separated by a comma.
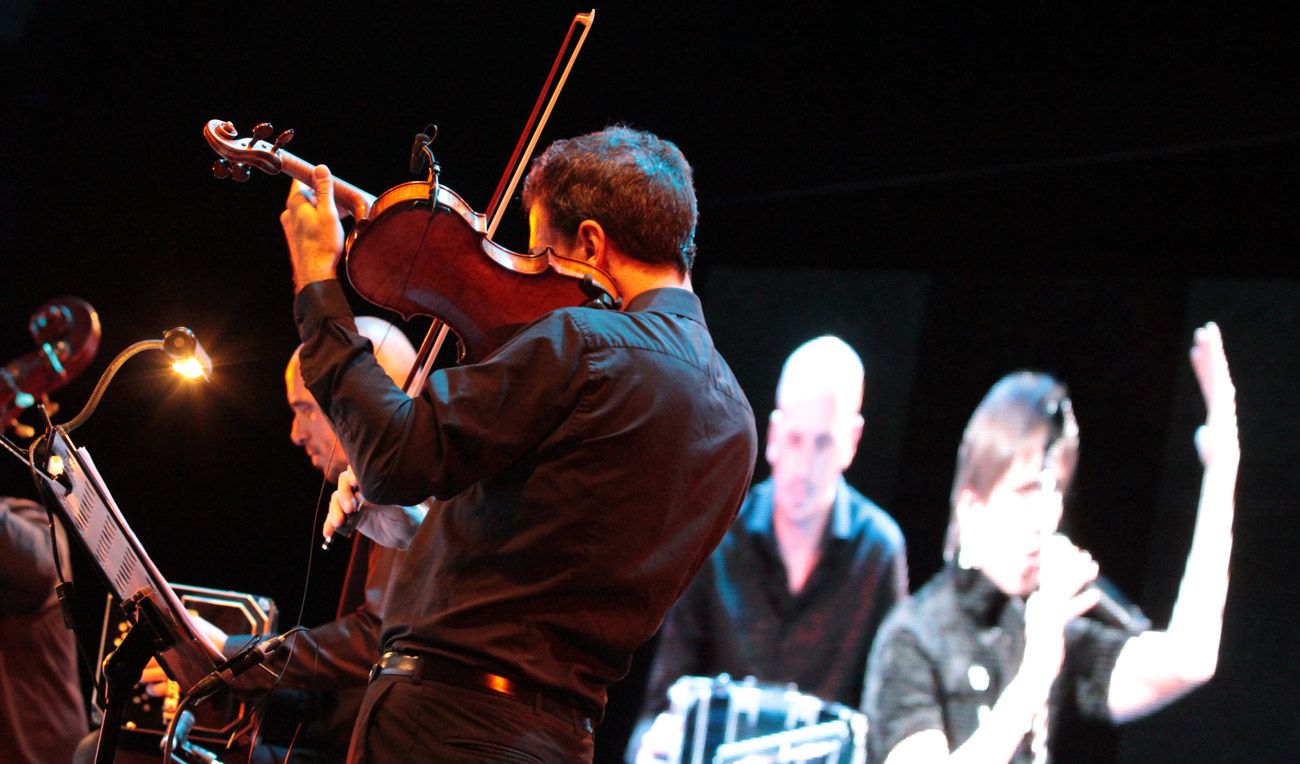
[[409, 720]]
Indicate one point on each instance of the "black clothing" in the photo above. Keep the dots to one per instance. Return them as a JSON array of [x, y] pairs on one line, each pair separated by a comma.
[[949, 652], [42, 713], [430, 721], [739, 617], [332, 660], [585, 469], [334, 655]]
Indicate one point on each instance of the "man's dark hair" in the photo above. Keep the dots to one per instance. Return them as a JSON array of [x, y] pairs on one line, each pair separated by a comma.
[[1022, 408], [637, 185]]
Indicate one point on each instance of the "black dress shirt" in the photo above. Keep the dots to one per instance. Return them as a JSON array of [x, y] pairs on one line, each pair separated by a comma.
[[585, 469], [739, 617], [944, 657]]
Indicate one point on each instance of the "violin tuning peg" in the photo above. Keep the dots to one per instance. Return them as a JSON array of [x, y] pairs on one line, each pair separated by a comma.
[[263, 131], [283, 139], [239, 172], [221, 169]]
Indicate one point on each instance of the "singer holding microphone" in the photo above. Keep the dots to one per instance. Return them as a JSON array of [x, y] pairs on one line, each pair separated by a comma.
[[976, 666]]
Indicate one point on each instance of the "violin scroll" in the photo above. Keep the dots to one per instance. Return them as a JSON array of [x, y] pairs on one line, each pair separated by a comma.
[[239, 154]]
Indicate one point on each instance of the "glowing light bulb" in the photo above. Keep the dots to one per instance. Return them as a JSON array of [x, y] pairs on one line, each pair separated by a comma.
[[190, 368]]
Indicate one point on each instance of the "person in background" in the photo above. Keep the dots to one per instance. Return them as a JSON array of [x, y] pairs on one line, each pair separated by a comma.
[[332, 659], [979, 663], [42, 712], [801, 582]]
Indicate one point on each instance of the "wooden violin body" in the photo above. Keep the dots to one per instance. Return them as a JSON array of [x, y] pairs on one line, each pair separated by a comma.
[[420, 249], [417, 257]]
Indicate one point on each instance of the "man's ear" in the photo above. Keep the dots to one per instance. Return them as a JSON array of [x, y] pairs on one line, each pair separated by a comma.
[[591, 242], [773, 451], [967, 507], [855, 437]]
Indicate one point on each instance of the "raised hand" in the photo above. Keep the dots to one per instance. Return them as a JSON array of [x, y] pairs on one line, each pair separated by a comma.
[[1218, 437]]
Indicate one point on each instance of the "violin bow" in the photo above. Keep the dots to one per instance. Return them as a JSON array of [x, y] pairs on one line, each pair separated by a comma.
[[523, 152]]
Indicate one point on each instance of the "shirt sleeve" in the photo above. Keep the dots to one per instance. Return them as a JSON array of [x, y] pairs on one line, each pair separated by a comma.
[[26, 559], [330, 657], [335, 655], [470, 423], [1091, 649], [902, 691]]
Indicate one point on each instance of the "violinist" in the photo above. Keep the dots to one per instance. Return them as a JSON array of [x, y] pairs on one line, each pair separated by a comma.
[[584, 470]]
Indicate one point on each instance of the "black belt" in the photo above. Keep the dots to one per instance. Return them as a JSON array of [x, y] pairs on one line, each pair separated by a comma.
[[447, 671]]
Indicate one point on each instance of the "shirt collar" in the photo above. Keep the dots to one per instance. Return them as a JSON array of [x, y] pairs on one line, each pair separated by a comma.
[[681, 302], [840, 525], [977, 595]]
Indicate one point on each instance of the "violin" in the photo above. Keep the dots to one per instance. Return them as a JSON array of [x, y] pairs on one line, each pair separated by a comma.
[[66, 332], [420, 249]]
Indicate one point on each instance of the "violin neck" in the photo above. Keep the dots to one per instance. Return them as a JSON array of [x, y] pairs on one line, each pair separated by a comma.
[[348, 197]]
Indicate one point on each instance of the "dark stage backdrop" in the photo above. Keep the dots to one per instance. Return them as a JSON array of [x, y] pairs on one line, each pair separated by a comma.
[[960, 192]]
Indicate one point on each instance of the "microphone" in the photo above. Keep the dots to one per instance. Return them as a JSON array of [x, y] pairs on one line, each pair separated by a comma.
[[421, 154], [246, 659], [1114, 609]]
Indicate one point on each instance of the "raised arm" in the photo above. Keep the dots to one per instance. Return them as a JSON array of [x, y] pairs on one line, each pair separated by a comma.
[[1157, 667]]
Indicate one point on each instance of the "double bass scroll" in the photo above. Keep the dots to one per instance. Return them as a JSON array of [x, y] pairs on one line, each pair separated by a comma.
[[66, 332]]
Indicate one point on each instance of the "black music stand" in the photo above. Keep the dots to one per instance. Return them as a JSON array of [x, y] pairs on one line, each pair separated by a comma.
[[70, 485]]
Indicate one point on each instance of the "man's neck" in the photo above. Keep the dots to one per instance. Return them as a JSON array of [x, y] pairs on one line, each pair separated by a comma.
[[800, 546], [632, 277]]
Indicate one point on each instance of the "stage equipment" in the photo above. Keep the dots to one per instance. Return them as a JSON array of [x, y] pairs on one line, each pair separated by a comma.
[[726, 721]]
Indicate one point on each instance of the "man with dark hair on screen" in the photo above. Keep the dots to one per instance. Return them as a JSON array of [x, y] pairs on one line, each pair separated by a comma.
[[981, 661]]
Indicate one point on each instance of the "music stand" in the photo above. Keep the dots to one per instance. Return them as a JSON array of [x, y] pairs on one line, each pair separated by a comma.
[[160, 626]]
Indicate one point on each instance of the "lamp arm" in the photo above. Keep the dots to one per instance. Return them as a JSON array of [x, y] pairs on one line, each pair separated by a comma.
[[107, 377]]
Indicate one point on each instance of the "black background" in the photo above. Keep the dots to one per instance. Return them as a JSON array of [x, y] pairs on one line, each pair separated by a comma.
[[958, 191]]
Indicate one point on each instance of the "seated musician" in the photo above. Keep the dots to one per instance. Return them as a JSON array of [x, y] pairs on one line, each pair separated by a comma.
[[981, 661], [806, 574], [585, 469], [333, 659]]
